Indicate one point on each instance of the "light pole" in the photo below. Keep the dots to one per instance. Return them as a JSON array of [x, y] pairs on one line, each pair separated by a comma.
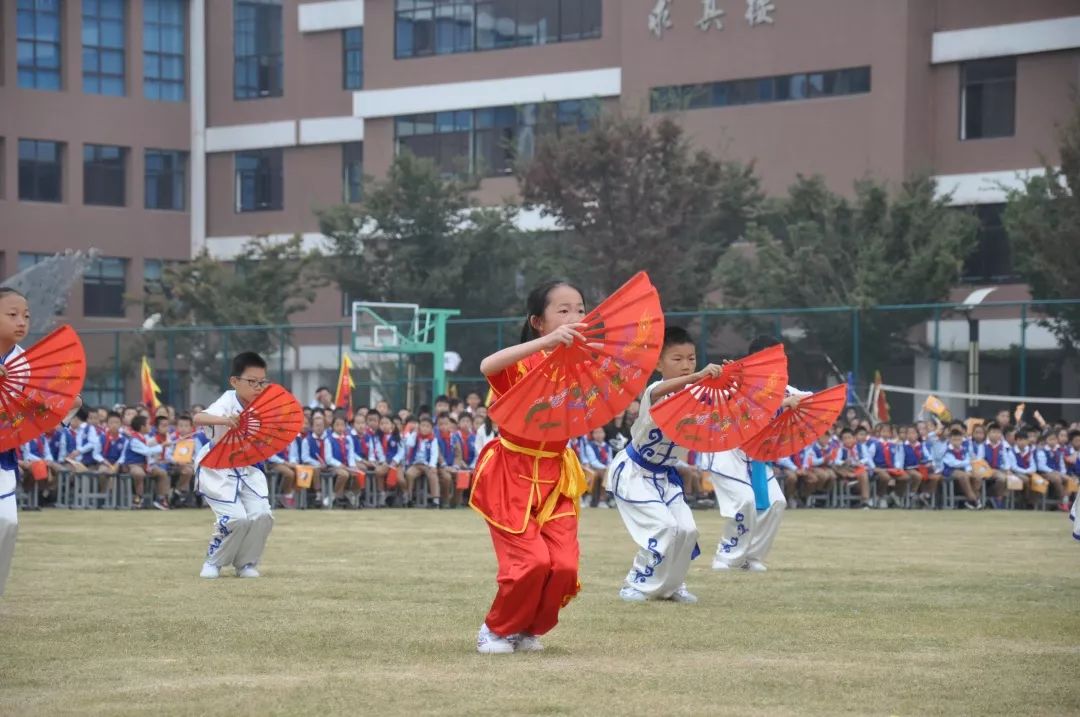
[[969, 305]]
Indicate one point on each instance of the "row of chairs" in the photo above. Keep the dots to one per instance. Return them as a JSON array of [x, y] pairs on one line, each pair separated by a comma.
[[844, 494]]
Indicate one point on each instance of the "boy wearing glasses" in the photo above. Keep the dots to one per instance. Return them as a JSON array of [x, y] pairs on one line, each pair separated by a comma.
[[238, 494]]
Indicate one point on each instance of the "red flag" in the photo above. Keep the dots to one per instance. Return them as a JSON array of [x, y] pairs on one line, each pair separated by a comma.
[[878, 403], [345, 386]]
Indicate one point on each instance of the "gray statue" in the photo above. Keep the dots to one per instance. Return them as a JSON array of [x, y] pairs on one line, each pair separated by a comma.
[[47, 285]]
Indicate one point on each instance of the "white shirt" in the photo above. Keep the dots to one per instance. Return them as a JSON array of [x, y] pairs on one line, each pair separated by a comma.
[[227, 406], [649, 441]]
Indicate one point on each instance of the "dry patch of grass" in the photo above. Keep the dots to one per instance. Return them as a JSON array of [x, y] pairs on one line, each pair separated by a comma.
[[880, 613]]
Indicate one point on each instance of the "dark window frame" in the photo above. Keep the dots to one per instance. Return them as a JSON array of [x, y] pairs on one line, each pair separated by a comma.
[[454, 26], [38, 167], [97, 79], [352, 159], [103, 294], [99, 168], [29, 12], [258, 72], [159, 33], [352, 47], [771, 89], [976, 92], [264, 170], [165, 181]]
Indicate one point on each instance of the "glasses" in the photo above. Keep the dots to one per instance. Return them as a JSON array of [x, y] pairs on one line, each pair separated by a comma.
[[254, 382]]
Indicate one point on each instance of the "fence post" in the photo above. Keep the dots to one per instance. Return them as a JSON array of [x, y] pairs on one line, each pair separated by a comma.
[[340, 345], [1023, 349], [498, 334], [935, 353], [778, 328], [170, 348], [281, 360], [855, 344], [703, 339], [118, 381], [225, 358]]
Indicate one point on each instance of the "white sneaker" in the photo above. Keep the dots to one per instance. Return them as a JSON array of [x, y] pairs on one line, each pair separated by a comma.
[[488, 643], [754, 566], [684, 596], [210, 571], [526, 643], [882, 504], [248, 571], [629, 594], [718, 564]]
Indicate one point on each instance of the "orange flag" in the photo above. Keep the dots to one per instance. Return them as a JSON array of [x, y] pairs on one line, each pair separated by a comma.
[[150, 390], [345, 386]]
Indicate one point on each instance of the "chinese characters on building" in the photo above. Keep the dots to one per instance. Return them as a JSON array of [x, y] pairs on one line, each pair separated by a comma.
[[758, 12]]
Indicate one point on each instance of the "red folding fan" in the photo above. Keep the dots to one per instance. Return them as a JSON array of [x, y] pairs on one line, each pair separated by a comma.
[[579, 387], [718, 414], [264, 428], [40, 386], [796, 428]]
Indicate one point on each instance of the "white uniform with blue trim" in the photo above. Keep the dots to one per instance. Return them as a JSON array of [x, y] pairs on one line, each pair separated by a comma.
[[649, 495], [9, 503], [748, 532], [238, 496]]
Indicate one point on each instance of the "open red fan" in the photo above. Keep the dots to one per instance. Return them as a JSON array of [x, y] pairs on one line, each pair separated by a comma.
[[796, 428], [718, 414], [579, 387], [40, 387], [266, 426]]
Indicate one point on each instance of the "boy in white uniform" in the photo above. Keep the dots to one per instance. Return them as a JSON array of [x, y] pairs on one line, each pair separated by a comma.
[[238, 494], [749, 496], [648, 490]]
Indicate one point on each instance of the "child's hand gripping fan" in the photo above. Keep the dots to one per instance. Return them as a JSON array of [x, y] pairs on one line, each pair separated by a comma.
[[582, 386], [39, 387], [719, 414], [796, 428], [264, 428]]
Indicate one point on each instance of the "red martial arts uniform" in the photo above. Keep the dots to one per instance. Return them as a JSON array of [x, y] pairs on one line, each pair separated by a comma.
[[528, 492]]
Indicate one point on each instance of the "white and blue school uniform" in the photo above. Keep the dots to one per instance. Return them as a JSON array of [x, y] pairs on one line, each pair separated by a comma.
[[937, 448], [238, 496], [469, 449], [139, 451], [88, 444], [36, 450], [61, 443], [392, 447], [367, 447], [911, 456], [9, 504], [1050, 461], [421, 451], [313, 449], [751, 498], [998, 457], [955, 459], [648, 492], [1023, 462], [338, 451], [596, 455]]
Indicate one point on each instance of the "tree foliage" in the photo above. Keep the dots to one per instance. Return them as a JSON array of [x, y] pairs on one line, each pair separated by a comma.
[[1043, 223]]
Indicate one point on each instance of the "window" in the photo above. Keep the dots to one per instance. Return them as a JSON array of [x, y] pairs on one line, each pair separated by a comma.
[[488, 141], [165, 179], [353, 40], [442, 27], [40, 170], [760, 90], [103, 47], [104, 175], [257, 48], [29, 259], [353, 154], [3, 164], [153, 272], [988, 98], [164, 40], [259, 180], [103, 287], [991, 261], [38, 39]]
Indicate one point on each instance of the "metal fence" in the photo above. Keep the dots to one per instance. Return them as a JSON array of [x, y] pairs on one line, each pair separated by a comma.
[[929, 346]]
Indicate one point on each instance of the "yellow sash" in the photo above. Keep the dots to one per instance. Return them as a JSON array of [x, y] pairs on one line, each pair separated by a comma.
[[572, 481]]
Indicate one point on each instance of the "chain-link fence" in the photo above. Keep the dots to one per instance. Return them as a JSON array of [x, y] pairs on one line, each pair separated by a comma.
[[994, 348]]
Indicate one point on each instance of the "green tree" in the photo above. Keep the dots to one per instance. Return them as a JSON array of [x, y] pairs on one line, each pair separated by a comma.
[[1043, 223], [267, 283], [816, 248], [633, 194]]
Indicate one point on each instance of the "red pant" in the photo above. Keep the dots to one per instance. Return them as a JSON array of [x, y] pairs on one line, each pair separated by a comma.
[[537, 576]]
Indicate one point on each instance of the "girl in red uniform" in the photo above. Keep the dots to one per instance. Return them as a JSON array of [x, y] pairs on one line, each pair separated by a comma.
[[529, 491]]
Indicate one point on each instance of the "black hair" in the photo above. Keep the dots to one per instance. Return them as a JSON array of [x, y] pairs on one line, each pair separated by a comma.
[[862, 428], [5, 290], [183, 417], [762, 342], [537, 303], [956, 432], [113, 414], [137, 423], [676, 336], [846, 432], [320, 389], [1073, 435], [424, 408], [994, 426], [159, 419], [82, 414], [443, 414], [245, 360], [442, 399], [426, 419]]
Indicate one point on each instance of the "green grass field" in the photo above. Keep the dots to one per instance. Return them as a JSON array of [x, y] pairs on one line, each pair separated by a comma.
[[880, 613]]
